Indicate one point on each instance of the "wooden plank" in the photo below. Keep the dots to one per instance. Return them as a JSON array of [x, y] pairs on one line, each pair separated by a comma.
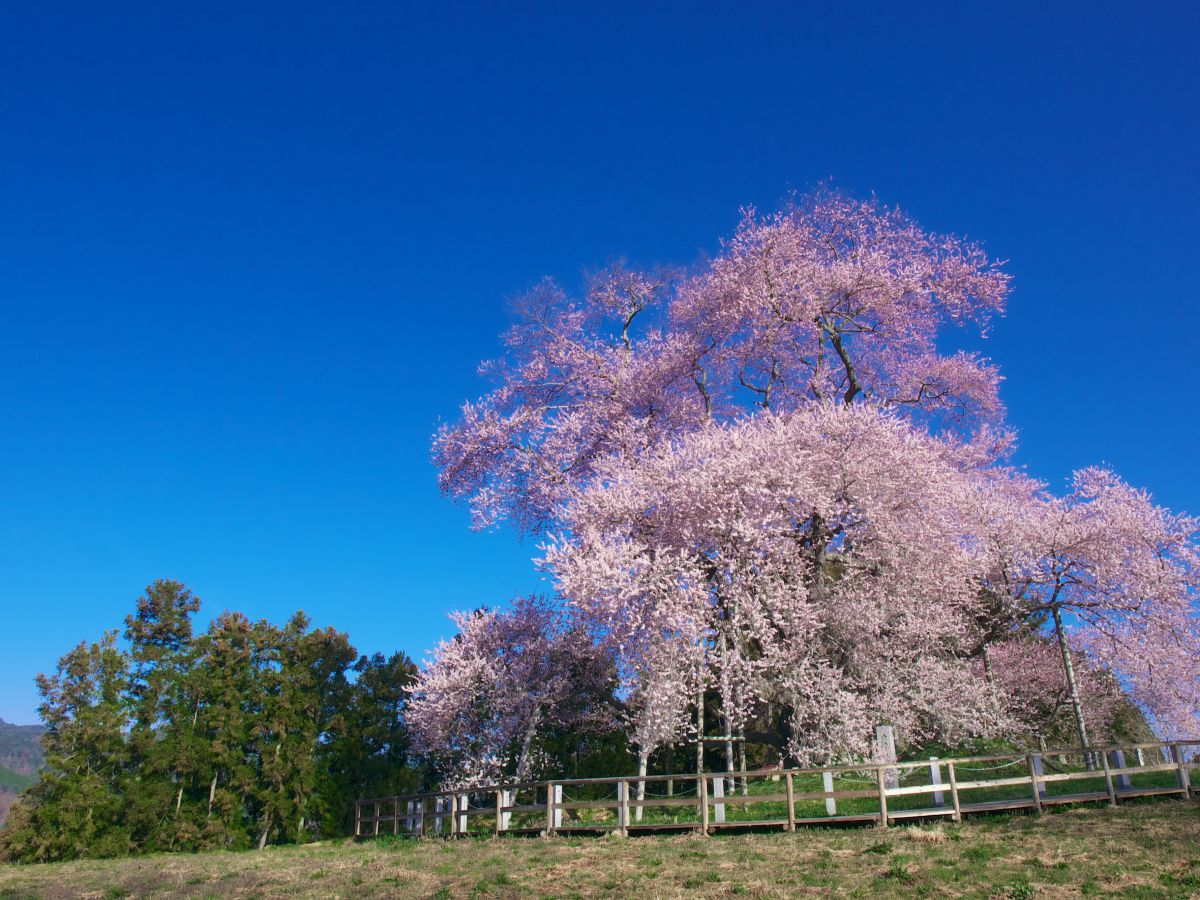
[[1138, 770], [917, 789], [954, 792], [1185, 781], [597, 804], [750, 823], [1033, 783], [1070, 776], [993, 805], [623, 809], [1108, 782], [996, 782], [823, 795], [1149, 791], [648, 803], [1076, 798], [881, 774]]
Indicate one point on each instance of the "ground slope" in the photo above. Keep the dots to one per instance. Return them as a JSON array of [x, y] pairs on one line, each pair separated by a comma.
[[1150, 849]]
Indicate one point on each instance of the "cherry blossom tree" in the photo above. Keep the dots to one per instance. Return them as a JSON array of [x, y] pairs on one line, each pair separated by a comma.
[[829, 299], [766, 477], [1106, 564], [823, 561], [1029, 673], [485, 696]]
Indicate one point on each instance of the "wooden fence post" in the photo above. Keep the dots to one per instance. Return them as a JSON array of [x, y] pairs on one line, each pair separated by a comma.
[[827, 784], [499, 811], [1039, 766], [395, 816], [791, 802], [1108, 782], [623, 807], [358, 818], [549, 809], [376, 817], [1033, 783], [881, 772], [1123, 782], [1185, 781], [703, 790], [954, 791]]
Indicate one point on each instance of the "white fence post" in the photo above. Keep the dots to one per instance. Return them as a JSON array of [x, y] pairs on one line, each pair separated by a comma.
[[718, 793], [464, 804], [935, 777], [623, 806], [558, 812], [830, 802], [885, 752]]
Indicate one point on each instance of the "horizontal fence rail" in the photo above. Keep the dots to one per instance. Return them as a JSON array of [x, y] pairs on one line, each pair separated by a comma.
[[868, 793]]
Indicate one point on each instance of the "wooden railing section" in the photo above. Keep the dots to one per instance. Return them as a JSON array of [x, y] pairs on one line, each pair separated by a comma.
[[769, 797]]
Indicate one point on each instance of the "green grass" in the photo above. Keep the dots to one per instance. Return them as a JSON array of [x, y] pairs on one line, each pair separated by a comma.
[[1148, 849]]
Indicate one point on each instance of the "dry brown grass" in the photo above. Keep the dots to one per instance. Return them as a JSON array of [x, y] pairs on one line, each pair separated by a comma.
[[1143, 849]]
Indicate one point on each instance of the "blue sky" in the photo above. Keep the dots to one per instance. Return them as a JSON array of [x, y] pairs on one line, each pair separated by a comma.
[[250, 254]]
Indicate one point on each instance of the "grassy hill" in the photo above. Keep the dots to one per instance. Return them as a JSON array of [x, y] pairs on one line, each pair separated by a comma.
[[1146, 849]]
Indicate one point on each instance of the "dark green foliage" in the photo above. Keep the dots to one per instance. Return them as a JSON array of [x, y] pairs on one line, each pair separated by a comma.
[[245, 735], [76, 807]]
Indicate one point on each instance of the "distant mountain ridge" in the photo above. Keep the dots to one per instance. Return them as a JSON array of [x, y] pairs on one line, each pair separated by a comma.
[[21, 748], [20, 758]]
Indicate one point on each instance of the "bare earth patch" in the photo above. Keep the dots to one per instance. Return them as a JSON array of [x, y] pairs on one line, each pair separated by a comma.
[[1149, 849]]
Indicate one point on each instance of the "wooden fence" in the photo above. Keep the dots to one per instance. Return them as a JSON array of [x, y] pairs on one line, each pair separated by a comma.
[[787, 798]]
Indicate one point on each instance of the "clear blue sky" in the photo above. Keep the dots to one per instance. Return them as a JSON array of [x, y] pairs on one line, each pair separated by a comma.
[[250, 254]]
